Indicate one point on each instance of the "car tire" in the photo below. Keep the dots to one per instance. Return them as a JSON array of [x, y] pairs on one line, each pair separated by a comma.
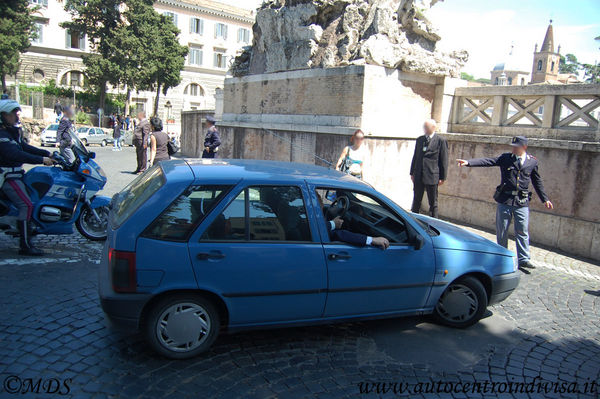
[[103, 144], [462, 304], [195, 317]]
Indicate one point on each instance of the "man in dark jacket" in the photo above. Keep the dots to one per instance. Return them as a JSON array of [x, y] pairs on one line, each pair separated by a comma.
[[140, 141], [429, 167], [58, 109], [517, 169], [63, 135], [212, 141], [14, 152]]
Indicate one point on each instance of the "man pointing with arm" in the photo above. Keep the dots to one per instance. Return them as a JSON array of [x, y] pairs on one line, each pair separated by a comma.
[[517, 169]]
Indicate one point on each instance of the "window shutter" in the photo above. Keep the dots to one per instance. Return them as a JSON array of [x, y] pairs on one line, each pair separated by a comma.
[[224, 32], [175, 19], [192, 25], [199, 56], [67, 39], [216, 30], [81, 41], [45, 3], [201, 26], [216, 59]]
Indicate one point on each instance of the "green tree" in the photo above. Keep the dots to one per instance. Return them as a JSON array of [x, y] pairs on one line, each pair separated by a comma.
[[568, 64], [98, 20], [16, 31], [159, 59], [466, 76]]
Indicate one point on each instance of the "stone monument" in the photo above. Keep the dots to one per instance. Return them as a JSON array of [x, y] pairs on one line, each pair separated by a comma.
[[318, 70]]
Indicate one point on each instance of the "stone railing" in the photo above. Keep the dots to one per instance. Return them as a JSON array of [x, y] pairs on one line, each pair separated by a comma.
[[560, 112]]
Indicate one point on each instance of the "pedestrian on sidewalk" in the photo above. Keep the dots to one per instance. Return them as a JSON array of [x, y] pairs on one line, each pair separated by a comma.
[[117, 135], [58, 110], [429, 167], [140, 141], [65, 133], [159, 141], [518, 169], [212, 141], [352, 158]]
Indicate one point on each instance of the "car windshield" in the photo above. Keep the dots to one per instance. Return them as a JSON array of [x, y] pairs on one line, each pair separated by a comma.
[[126, 202], [82, 130], [52, 127]]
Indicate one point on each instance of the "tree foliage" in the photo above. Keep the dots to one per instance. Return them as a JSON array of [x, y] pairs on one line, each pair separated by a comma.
[[16, 32], [570, 64]]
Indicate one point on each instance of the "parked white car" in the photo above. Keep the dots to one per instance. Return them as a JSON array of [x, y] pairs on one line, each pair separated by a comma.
[[93, 135], [48, 136]]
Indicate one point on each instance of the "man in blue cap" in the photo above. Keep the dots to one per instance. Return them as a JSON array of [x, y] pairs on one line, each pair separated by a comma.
[[212, 141], [518, 169]]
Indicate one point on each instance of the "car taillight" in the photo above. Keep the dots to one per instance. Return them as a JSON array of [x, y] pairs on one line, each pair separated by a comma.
[[122, 270]]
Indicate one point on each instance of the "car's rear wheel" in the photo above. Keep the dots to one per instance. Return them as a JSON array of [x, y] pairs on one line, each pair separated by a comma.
[[182, 326], [462, 304], [103, 144]]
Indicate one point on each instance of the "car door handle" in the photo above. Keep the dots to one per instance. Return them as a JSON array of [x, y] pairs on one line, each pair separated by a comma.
[[340, 256], [210, 255]]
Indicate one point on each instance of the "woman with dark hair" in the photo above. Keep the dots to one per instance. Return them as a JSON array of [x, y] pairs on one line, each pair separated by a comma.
[[117, 135], [158, 142], [351, 160]]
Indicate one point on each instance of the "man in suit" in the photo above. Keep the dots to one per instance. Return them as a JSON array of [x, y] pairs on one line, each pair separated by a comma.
[[518, 169], [212, 141], [429, 167], [140, 141], [336, 233]]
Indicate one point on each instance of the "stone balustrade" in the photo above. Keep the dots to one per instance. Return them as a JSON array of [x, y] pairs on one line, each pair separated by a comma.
[[560, 112]]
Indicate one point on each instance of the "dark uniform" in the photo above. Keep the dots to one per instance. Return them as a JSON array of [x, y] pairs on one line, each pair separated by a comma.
[[14, 152], [212, 141], [141, 133], [513, 195], [65, 140]]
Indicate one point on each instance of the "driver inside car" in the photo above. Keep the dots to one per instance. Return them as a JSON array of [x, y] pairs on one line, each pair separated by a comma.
[[336, 233]]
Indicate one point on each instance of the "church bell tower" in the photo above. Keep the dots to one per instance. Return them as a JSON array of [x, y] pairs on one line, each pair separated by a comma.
[[545, 61]]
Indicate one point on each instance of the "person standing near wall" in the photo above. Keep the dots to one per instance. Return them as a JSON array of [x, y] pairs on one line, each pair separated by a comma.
[[58, 110], [140, 141], [117, 135], [352, 158], [429, 167], [212, 141], [63, 134], [517, 169]]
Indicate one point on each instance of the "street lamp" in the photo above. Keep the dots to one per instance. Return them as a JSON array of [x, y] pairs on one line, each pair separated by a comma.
[[168, 106]]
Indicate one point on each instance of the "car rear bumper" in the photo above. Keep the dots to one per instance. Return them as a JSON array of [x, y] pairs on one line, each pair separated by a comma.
[[502, 286], [125, 311]]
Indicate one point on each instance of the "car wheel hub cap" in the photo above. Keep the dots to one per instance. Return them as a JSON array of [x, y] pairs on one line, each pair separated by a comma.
[[458, 303], [183, 327]]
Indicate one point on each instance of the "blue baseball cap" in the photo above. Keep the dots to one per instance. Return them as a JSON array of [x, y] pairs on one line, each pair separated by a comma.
[[519, 141], [210, 119]]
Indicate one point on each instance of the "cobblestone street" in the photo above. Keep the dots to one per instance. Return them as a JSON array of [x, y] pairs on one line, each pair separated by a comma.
[[52, 326]]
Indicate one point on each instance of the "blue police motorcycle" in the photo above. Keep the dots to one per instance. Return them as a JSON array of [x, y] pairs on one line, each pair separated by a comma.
[[65, 194]]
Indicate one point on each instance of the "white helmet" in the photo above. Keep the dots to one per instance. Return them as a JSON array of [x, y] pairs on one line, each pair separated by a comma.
[[9, 106]]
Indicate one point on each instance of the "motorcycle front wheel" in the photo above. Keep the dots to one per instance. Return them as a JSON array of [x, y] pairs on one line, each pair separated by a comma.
[[90, 227]]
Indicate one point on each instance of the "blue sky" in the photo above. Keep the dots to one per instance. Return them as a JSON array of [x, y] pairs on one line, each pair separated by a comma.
[[487, 28]]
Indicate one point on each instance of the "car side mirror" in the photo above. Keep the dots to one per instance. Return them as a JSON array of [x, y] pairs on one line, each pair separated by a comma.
[[91, 155], [418, 242]]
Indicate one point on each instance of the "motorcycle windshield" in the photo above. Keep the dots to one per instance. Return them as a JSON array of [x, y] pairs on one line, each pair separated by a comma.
[[77, 144]]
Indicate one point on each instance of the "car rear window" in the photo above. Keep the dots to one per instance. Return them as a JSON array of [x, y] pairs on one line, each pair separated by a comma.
[[126, 202]]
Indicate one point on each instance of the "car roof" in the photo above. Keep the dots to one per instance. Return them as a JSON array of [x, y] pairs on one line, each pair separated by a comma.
[[53, 126], [215, 170]]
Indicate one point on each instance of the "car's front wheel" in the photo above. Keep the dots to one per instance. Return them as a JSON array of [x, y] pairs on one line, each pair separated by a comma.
[[103, 143], [182, 326], [462, 304]]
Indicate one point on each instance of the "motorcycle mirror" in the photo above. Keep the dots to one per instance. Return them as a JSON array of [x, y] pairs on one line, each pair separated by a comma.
[[92, 155]]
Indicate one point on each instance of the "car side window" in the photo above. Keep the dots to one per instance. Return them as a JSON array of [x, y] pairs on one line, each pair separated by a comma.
[[182, 217], [263, 213]]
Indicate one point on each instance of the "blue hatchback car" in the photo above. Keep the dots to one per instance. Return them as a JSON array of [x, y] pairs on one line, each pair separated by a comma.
[[195, 247]]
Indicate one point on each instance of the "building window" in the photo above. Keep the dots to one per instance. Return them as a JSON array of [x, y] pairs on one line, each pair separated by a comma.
[[38, 75], [509, 81], [220, 31], [220, 60], [522, 81], [42, 3], [73, 79], [496, 81], [243, 35], [552, 67], [38, 28], [194, 90], [196, 26], [74, 40], [195, 55], [539, 66], [171, 15]]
